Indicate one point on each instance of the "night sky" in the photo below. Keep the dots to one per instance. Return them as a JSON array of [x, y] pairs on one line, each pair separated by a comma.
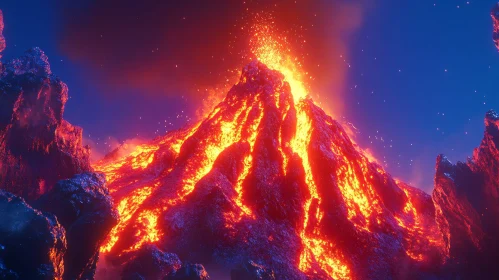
[[414, 78]]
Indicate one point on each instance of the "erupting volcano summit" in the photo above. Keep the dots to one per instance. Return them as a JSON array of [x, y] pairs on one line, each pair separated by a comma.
[[266, 186], [266, 179]]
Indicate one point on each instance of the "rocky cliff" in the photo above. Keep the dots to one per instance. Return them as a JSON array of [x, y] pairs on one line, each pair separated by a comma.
[[37, 146], [467, 201]]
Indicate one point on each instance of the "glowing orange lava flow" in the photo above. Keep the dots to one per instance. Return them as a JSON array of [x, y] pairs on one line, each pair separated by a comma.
[[126, 208], [266, 137], [314, 248], [274, 52], [139, 158]]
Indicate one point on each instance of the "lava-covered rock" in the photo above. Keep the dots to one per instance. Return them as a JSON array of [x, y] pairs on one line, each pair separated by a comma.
[[32, 244], [151, 263], [84, 207], [467, 202], [37, 146], [189, 272], [206, 210], [252, 271]]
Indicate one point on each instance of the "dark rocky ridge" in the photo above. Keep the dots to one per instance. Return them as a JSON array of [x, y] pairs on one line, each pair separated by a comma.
[[38, 148], [252, 271], [151, 263], [189, 272], [467, 199], [32, 243], [83, 206]]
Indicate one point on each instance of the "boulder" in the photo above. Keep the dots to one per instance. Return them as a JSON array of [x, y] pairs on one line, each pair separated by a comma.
[[252, 271], [32, 243], [83, 206], [151, 263], [189, 272]]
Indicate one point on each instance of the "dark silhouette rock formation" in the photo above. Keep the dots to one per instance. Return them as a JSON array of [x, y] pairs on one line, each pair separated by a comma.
[[83, 206], [37, 146], [252, 271], [466, 197], [151, 263], [32, 243], [189, 272]]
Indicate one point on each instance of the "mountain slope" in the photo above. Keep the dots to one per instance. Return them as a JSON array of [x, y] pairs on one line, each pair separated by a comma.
[[274, 181]]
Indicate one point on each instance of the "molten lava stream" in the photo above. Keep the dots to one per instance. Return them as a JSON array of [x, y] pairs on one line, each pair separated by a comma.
[[230, 132], [139, 158], [361, 199], [315, 249], [272, 51], [126, 208], [248, 162], [190, 171]]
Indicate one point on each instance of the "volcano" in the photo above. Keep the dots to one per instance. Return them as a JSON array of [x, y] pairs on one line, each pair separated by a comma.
[[265, 186], [268, 178]]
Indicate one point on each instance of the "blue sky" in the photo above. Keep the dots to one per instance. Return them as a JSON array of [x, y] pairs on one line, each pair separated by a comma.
[[422, 75], [426, 73]]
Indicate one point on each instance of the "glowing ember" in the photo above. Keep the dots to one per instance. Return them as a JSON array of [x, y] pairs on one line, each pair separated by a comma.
[[273, 50]]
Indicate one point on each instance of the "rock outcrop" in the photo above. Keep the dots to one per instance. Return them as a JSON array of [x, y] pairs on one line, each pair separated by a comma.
[[252, 271], [32, 243], [84, 208], [39, 152], [152, 264], [189, 272], [466, 197], [37, 146], [63, 241]]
